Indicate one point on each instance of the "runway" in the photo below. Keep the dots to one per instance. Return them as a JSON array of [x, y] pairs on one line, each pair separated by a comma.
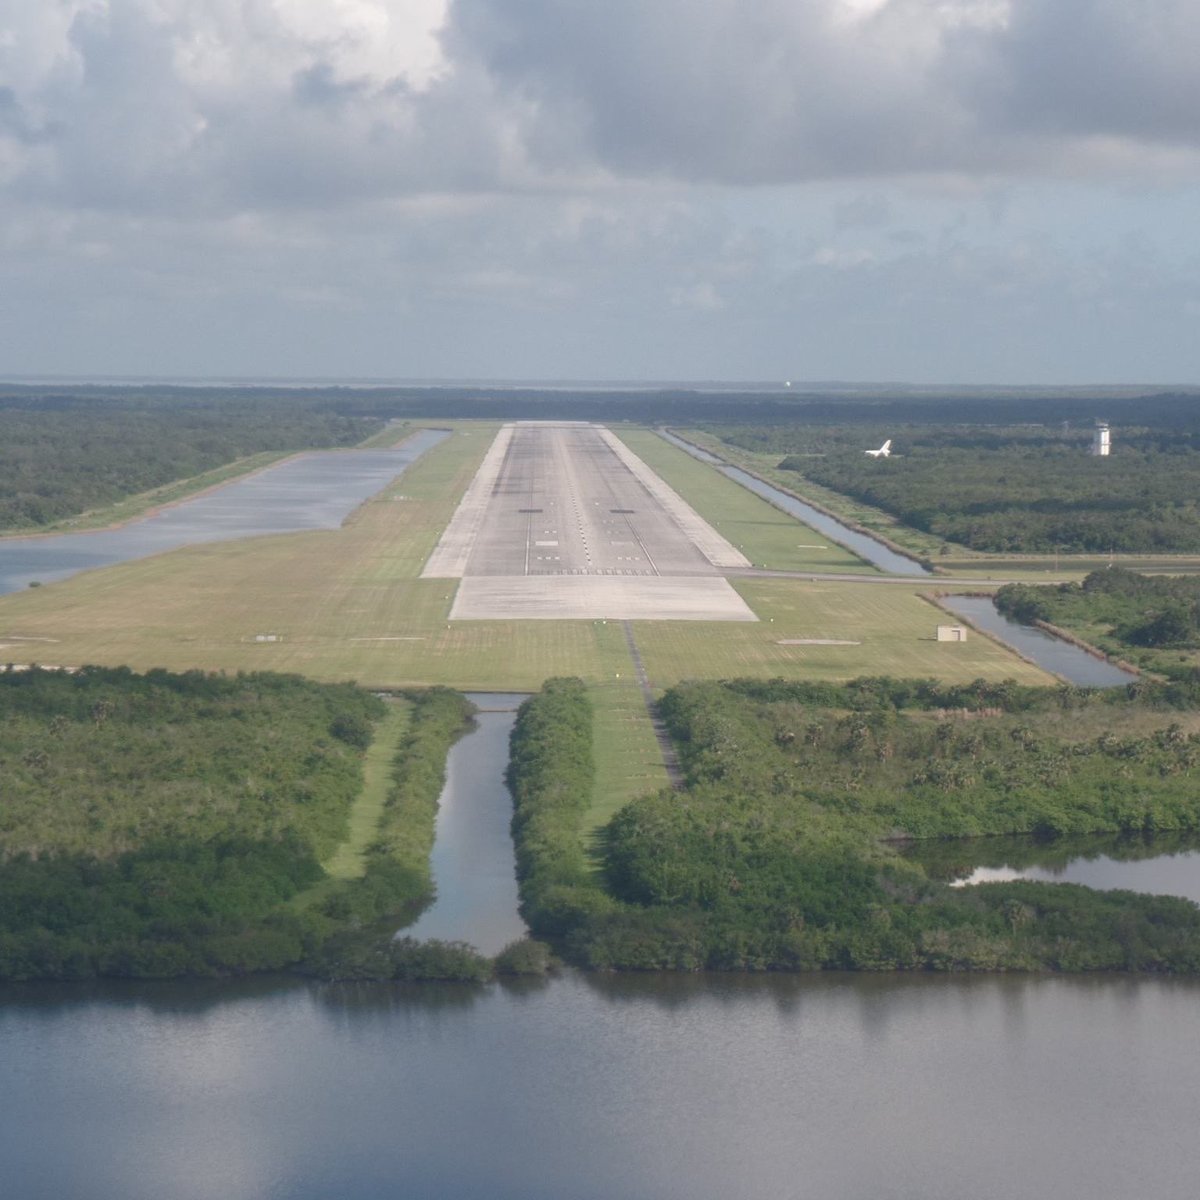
[[563, 521]]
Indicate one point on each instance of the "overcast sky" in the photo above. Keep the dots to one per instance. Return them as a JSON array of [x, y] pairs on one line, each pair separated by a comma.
[[928, 190]]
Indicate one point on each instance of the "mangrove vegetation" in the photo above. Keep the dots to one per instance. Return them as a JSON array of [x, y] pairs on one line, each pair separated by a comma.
[[782, 849], [169, 824]]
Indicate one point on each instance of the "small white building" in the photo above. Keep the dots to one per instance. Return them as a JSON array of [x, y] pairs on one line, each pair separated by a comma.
[[951, 633], [1101, 440]]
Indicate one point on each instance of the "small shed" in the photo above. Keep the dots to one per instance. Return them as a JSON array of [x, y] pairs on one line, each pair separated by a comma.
[[951, 633]]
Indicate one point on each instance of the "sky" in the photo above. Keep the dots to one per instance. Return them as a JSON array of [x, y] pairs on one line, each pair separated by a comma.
[[941, 191]]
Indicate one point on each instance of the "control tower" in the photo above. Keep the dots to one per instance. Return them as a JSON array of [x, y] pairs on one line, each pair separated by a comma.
[[1101, 442]]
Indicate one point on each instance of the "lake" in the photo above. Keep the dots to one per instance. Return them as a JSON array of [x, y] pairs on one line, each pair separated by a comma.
[[656, 1087], [663, 1088]]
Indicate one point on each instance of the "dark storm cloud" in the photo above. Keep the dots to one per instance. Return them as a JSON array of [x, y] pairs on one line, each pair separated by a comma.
[[1101, 68], [794, 90]]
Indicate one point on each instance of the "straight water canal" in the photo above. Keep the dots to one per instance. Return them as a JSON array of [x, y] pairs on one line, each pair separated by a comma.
[[1050, 653], [862, 544], [472, 857]]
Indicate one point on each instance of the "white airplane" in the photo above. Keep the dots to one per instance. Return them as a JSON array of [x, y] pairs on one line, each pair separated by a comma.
[[883, 450]]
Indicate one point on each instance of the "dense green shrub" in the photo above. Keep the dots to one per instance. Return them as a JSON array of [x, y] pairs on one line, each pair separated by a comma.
[[776, 855], [162, 824], [551, 774]]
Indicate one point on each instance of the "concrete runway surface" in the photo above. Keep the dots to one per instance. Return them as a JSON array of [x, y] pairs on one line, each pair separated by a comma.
[[562, 521]]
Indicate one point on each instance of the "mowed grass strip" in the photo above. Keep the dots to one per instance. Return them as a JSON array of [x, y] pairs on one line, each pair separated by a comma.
[[767, 536], [894, 626], [628, 759], [349, 860]]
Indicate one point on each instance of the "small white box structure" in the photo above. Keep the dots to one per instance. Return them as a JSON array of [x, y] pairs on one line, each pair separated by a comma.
[[951, 633], [268, 637]]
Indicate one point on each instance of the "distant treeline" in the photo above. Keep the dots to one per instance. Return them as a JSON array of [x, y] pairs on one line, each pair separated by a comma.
[[776, 854], [165, 824], [64, 451], [62, 455], [1011, 490], [809, 404]]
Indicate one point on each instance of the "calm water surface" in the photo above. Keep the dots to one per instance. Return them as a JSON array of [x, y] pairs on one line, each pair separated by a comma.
[[1055, 655], [864, 546], [314, 491], [1165, 864], [689, 1088], [472, 856]]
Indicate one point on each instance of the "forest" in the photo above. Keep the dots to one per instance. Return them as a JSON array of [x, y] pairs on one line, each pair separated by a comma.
[[782, 850], [1012, 489], [167, 824]]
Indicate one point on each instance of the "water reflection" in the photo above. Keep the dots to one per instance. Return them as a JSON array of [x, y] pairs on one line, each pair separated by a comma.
[[1166, 864], [472, 858], [313, 491], [648, 1086]]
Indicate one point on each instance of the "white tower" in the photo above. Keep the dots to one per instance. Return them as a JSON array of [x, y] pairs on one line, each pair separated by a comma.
[[1100, 440]]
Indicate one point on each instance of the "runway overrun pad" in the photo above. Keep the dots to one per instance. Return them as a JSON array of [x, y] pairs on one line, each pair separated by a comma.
[[564, 522]]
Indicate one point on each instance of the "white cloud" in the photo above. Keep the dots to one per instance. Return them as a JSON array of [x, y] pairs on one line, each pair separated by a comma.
[[576, 180]]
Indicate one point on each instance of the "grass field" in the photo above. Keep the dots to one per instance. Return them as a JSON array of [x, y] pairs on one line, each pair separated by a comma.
[[874, 520], [347, 604], [767, 536], [894, 626], [1034, 568]]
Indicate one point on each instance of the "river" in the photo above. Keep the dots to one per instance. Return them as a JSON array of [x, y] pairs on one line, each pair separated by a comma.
[[316, 490]]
